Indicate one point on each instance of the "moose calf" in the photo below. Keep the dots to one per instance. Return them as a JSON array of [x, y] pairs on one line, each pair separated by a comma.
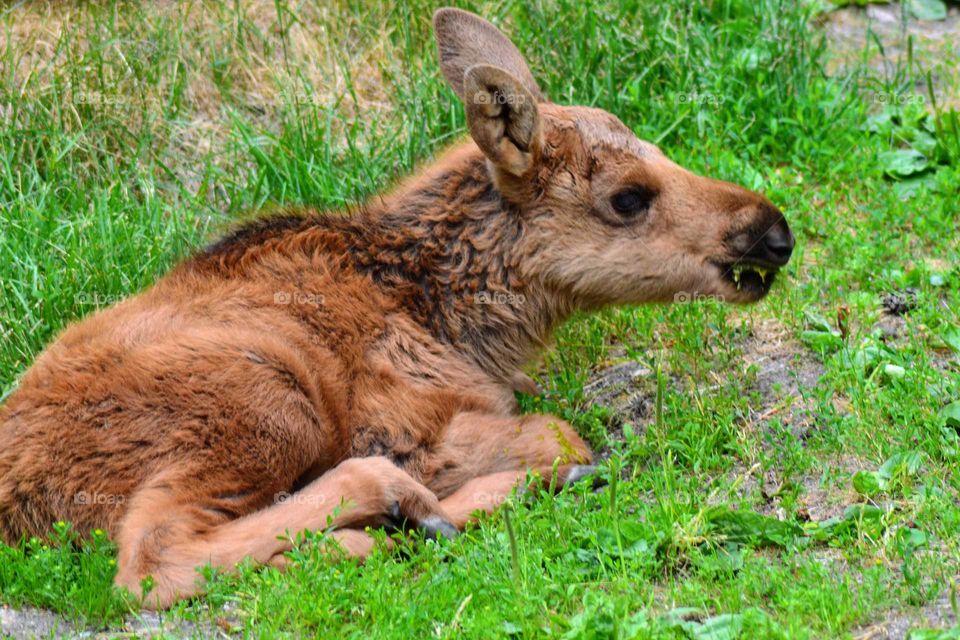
[[363, 366]]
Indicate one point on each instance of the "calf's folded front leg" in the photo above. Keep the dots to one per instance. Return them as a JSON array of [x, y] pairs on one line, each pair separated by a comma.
[[484, 457]]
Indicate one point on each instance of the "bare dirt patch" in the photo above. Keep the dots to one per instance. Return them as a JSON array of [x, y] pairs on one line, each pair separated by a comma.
[[625, 389], [935, 45], [778, 367], [897, 624], [37, 623], [785, 371]]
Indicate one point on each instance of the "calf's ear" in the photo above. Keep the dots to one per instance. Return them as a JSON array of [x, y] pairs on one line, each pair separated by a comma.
[[492, 79], [465, 40], [503, 118]]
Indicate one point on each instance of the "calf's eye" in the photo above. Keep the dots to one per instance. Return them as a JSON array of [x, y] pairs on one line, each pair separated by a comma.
[[632, 201]]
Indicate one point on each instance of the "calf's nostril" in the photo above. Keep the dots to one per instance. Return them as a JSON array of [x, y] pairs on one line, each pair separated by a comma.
[[779, 243]]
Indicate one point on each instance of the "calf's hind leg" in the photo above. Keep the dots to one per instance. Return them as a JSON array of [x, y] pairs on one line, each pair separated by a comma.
[[168, 540], [483, 457]]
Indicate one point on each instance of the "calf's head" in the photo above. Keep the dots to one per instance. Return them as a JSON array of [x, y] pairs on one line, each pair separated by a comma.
[[608, 217]]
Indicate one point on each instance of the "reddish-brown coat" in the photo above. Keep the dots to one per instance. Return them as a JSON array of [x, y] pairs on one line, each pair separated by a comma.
[[370, 358]]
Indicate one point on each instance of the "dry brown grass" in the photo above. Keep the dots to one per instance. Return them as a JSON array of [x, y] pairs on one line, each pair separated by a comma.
[[176, 73]]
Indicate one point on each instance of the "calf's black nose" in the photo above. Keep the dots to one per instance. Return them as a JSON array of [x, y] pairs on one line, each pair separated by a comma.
[[778, 242], [767, 241]]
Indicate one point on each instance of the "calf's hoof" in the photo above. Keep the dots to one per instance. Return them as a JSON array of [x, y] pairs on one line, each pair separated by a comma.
[[584, 473], [433, 526]]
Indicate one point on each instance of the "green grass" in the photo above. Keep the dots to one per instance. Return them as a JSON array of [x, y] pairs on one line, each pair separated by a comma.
[[135, 136]]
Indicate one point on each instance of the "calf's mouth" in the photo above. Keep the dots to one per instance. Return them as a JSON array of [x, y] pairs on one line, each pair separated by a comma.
[[754, 278]]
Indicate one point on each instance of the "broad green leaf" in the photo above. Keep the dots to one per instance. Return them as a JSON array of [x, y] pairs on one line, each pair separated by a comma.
[[952, 337], [857, 518], [858, 3], [924, 143], [822, 340], [817, 322], [869, 356], [903, 163], [626, 546], [935, 634], [882, 122], [909, 539], [868, 483], [928, 9], [901, 464], [950, 415], [909, 188], [726, 626], [894, 371], [751, 528], [510, 629]]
